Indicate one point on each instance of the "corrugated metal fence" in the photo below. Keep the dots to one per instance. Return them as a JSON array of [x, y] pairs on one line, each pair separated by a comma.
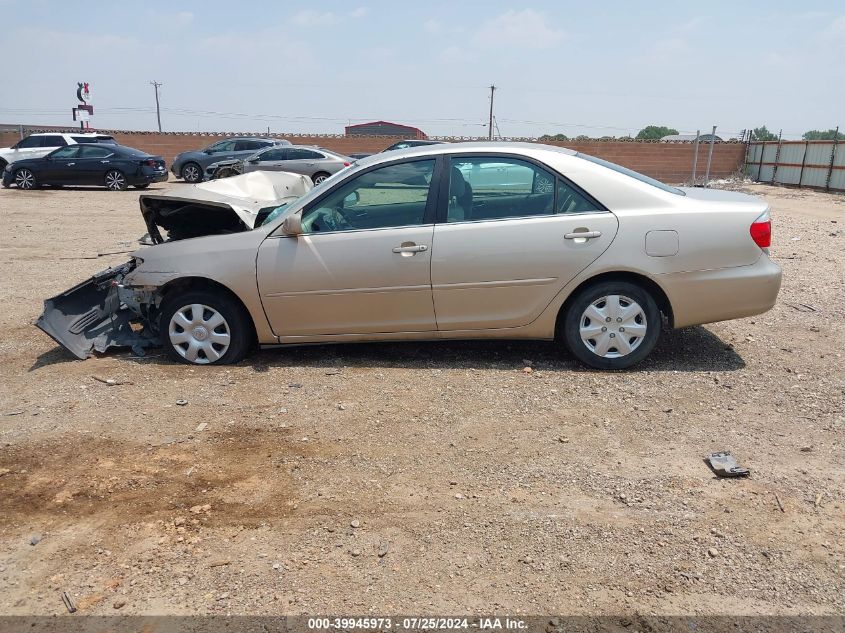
[[818, 164]]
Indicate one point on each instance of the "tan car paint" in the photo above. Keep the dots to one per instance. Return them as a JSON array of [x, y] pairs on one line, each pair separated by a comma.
[[718, 272]]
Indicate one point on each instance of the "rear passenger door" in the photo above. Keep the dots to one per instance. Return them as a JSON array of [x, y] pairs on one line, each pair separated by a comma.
[[510, 235], [93, 163]]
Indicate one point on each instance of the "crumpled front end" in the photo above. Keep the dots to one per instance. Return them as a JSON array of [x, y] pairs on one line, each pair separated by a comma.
[[96, 315]]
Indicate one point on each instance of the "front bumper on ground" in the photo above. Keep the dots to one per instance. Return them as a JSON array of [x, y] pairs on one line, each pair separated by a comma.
[[707, 296]]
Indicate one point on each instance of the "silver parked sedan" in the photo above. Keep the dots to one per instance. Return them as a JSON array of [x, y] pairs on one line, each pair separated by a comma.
[[458, 241], [315, 162]]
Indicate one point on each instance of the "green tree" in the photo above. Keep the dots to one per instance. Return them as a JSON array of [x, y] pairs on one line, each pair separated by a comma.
[[655, 132], [763, 134], [823, 135], [554, 137]]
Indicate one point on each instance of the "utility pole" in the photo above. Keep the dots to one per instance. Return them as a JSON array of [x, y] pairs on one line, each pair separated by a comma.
[[157, 85], [490, 123]]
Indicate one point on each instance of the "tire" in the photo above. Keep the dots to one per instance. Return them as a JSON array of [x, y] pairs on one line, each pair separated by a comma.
[[198, 339], [319, 177], [191, 172], [605, 311], [25, 179], [115, 180], [142, 186]]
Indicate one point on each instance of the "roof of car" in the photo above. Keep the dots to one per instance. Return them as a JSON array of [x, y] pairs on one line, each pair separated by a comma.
[[461, 148], [91, 134]]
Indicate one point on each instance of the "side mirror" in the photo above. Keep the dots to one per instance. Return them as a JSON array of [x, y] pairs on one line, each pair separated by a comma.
[[292, 224], [254, 161], [207, 151]]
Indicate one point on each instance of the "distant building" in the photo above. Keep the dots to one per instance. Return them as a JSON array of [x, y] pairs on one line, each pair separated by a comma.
[[703, 138], [384, 128]]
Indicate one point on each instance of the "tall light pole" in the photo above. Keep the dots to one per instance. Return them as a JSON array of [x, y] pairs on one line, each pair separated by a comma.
[[490, 123], [157, 85]]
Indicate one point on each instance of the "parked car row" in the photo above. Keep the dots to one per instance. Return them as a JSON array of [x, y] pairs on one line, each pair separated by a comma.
[[54, 159]]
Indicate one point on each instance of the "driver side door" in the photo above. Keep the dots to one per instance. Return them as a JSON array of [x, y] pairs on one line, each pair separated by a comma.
[[363, 262]]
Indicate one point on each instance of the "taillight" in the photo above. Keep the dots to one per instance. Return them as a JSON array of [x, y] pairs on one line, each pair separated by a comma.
[[761, 230], [346, 164], [150, 162]]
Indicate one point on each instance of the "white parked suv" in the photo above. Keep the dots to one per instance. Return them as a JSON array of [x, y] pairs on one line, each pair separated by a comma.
[[41, 144]]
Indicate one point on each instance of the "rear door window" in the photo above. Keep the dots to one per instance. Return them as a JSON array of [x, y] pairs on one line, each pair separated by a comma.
[[54, 141], [93, 151], [303, 154]]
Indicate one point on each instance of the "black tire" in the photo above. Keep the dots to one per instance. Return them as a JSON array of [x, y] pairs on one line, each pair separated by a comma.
[[191, 172], [115, 180], [642, 345], [237, 324], [319, 177], [25, 179], [142, 186]]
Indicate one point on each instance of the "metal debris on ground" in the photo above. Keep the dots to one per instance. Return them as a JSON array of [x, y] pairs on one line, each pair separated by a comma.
[[69, 603], [724, 465], [181, 403], [803, 307]]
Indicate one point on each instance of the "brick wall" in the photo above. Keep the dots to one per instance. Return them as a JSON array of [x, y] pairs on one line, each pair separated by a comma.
[[669, 162]]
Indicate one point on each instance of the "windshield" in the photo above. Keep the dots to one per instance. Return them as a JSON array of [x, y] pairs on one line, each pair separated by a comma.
[[633, 174]]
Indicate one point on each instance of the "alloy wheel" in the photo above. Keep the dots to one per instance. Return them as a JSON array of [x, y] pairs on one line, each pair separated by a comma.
[[25, 179], [190, 173], [613, 326], [199, 333], [115, 181]]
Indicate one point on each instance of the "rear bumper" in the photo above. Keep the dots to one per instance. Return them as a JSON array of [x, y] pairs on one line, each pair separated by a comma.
[[141, 179], [705, 296]]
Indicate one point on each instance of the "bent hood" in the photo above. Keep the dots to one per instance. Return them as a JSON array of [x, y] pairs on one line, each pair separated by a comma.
[[228, 205]]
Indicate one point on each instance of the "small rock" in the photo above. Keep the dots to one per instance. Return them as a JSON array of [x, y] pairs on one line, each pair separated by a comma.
[[355, 523], [276, 566], [183, 581], [459, 496], [4, 471], [806, 449], [202, 426], [355, 552], [563, 440], [35, 539], [295, 385], [179, 521], [527, 370], [119, 604], [712, 552], [527, 560], [383, 549], [341, 407], [332, 372]]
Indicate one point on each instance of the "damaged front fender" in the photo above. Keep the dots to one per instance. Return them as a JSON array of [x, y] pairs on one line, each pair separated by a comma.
[[93, 316]]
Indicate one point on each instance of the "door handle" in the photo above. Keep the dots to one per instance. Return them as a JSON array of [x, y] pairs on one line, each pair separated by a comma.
[[411, 248], [582, 235], [71, 164], [105, 162]]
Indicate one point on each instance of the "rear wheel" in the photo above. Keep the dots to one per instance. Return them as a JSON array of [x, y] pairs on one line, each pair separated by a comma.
[[201, 327], [25, 179], [115, 180], [612, 325], [191, 172], [320, 177]]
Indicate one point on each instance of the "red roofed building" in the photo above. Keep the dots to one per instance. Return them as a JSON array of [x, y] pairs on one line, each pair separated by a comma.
[[385, 128]]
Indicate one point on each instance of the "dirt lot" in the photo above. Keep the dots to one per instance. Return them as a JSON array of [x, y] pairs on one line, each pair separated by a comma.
[[421, 478]]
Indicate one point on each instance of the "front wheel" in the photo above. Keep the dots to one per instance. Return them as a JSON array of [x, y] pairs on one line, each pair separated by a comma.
[[320, 177], [191, 173], [115, 180], [25, 179], [612, 325], [202, 328]]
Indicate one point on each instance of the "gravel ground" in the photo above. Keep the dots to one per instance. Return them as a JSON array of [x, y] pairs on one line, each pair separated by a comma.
[[421, 478]]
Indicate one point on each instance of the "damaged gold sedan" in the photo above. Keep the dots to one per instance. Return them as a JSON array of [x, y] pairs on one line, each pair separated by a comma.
[[451, 241]]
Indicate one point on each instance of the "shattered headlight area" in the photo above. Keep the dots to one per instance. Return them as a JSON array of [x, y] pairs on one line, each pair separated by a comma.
[[100, 313]]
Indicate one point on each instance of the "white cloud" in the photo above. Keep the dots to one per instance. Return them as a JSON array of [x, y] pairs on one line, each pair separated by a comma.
[[526, 28], [835, 31], [308, 17], [360, 12]]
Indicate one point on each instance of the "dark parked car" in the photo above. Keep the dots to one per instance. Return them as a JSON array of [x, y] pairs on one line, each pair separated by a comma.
[[191, 166], [112, 166]]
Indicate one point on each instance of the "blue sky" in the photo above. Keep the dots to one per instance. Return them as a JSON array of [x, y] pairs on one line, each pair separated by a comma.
[[561, 67]]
